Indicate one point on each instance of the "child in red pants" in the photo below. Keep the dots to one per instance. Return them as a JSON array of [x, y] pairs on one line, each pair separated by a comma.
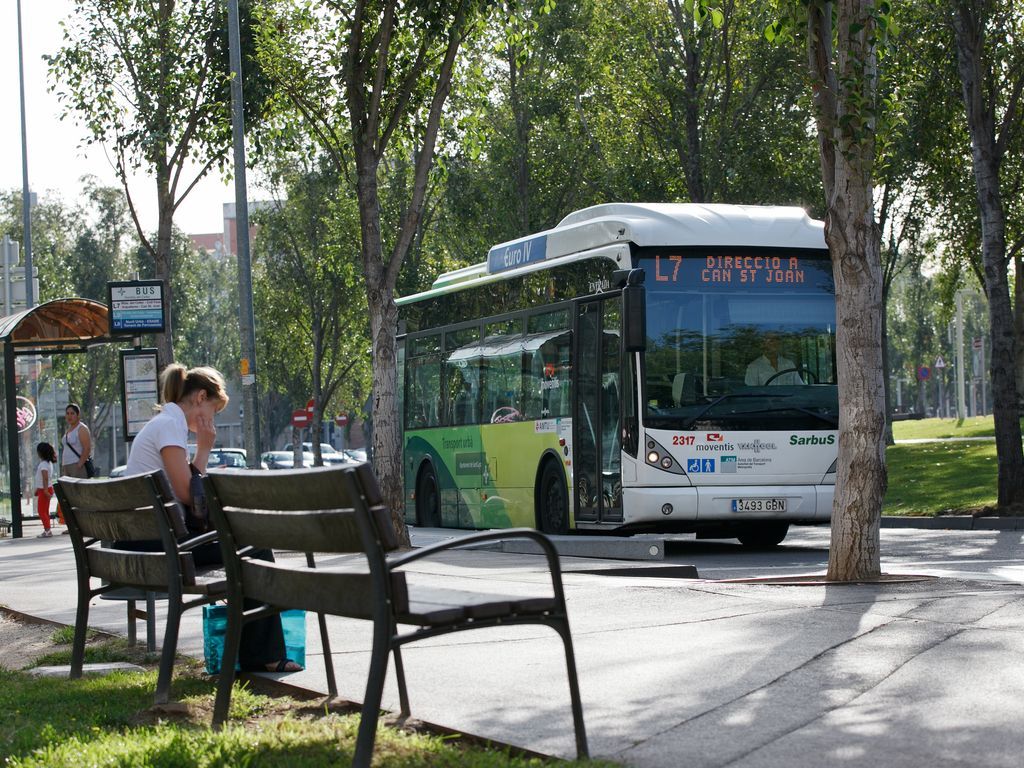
[[44, 485]]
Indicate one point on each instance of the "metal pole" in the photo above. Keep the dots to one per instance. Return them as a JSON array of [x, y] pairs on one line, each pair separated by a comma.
[[26, 197], [982, 376], [11, 410], [961, 404], [247, 328]]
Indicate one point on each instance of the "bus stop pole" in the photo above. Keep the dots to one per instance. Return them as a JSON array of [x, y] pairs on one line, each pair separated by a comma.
[[250, 393], [13, 457]]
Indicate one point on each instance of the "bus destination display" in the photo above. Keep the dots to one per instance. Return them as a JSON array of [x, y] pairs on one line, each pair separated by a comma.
[[740, 270]]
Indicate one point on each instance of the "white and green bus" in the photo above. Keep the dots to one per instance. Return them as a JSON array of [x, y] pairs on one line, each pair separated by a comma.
[[639, 367]]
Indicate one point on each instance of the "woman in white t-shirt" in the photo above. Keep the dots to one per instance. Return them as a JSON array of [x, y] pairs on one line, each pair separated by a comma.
[[76, 445], [43, 485], [191, 400]]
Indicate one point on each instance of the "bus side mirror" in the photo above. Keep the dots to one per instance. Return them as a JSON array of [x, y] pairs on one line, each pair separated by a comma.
[[634, 311]]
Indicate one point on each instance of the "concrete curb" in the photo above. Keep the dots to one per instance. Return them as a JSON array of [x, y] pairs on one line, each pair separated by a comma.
[[956, 523]]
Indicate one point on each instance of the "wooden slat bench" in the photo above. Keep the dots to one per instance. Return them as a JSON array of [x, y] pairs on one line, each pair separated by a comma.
[[100, 513], [341, 510]]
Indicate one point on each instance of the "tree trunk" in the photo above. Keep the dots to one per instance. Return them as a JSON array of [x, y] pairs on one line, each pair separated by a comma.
[[968, 22], [520, 114], [387, 448], [861, 477], [844, 87], [694, 173], [1018, 323], [162, 265], [887, 434]]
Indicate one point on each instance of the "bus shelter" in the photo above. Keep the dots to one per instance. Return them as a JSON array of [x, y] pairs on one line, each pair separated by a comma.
[[58, 327]]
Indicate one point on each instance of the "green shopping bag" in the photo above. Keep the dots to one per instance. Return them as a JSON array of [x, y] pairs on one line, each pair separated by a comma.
[[215, 627]]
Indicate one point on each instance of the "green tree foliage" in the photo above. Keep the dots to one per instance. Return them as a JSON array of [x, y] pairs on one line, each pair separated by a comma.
[[148, 80], [701, 107], [990, 63], [314, 338], [364, 83]]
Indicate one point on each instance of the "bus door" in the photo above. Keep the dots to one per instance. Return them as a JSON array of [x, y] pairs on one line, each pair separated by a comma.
[[597, 414]]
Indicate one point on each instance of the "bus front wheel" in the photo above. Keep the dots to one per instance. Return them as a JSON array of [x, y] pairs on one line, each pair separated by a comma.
[[553, 501], [428, 499], [763, 535]]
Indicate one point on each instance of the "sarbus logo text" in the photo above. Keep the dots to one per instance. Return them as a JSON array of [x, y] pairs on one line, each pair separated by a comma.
[[812, 440]]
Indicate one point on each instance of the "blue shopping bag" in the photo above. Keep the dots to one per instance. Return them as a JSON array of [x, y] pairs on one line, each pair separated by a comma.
[[215, 627]]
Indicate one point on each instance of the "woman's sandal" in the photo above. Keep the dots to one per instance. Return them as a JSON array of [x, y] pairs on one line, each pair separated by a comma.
[[284, 665]]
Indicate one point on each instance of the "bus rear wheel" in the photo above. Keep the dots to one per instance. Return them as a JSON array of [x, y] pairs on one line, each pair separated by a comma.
[[428, 499], [764, 535], [552, 501]]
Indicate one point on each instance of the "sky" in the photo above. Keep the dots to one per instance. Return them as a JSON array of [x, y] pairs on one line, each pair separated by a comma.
[[57, 158]]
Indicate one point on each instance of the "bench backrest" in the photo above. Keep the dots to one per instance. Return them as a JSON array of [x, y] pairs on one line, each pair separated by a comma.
[[333, 510], [136, 508]]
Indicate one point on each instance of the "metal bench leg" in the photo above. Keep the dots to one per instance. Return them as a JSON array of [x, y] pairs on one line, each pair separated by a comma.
[[403, 692], [574, 691], [151, 622], [163, 681], [325, 644], [232, 638], [81, 626], [374, 690], [132, 615]]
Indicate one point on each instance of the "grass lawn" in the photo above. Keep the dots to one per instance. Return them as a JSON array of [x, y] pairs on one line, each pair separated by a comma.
[[979, 426], [933, 478], [111, 721]]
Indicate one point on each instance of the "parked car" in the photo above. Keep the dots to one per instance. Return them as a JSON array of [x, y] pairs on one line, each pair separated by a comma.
[[355, 454], [227, 458], [220, 458], [328, 453], [285, 459]]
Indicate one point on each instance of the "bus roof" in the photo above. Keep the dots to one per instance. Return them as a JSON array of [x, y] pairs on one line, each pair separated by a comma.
[[644, 224]]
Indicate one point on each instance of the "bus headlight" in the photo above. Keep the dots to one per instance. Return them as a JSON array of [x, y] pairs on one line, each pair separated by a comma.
[[659, 458]]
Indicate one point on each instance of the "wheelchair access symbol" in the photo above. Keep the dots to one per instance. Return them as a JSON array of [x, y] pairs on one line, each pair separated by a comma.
[[698, 466]]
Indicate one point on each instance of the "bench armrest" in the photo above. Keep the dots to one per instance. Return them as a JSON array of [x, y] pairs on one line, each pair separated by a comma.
[[197, 541], [554, 566]]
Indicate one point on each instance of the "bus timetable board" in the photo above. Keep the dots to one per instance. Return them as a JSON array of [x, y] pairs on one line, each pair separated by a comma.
[[140, 389], [136, 307]]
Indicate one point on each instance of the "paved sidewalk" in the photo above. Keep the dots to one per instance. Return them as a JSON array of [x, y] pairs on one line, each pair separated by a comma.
[[681, 672]]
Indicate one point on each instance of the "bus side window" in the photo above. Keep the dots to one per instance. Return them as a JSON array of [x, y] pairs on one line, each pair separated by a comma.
[[424, 378], [463, 389]]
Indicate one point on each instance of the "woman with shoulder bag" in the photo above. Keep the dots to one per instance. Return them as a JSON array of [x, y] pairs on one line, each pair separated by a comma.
[[76, 445], [191, 399]]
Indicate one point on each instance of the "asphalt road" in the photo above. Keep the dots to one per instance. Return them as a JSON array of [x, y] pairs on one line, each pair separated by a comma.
[[698, 673], [983, 555]]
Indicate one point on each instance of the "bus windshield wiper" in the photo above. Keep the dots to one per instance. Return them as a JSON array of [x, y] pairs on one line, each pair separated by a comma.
[[723, 398], [827, 417]]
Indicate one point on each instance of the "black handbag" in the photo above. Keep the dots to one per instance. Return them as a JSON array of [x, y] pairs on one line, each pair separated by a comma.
[[90, 468], [197, 515]]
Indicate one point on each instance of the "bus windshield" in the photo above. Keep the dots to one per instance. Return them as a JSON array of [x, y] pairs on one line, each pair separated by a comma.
[[739, 339]]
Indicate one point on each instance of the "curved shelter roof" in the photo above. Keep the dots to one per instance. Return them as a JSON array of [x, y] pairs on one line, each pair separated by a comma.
[[61, 324]]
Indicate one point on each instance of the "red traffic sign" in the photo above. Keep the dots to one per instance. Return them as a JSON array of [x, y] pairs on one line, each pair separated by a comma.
[[309, 406], [924, 373], [301, 418], [341, 419]]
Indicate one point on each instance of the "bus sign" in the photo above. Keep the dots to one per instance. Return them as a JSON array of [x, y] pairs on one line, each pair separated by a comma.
[[136, 306], [518, 253]]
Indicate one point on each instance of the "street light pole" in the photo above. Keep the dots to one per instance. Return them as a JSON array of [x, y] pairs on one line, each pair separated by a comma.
[[247, 328], [26, 198], [961, 404]]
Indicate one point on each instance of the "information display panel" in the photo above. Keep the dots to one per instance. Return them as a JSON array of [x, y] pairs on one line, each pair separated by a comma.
[[136, 306], [140, 388]]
